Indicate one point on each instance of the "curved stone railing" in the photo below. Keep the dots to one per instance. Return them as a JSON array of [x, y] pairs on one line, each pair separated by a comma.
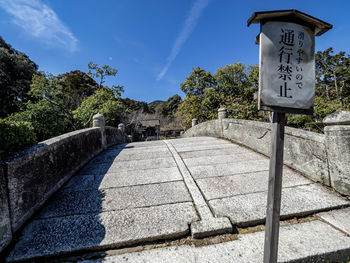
[[321, 157], [32, 176]]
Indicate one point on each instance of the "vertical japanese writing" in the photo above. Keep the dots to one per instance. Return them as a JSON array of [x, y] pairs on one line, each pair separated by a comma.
[[285, 68], [299, 59]]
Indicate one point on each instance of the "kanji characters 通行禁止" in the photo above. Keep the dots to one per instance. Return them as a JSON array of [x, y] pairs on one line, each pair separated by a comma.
[[285, 69]]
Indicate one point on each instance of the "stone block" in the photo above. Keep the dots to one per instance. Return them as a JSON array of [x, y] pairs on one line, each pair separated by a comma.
[[126, 155], [123, 178], [218, 159], [338, 149], [250, 209], [212, 145], [229, 169], [60, 235], [128, 166], [141, 144], [210, 227], [91, 201], [338, 218], [308, 242], [225, 186], [234, 150]]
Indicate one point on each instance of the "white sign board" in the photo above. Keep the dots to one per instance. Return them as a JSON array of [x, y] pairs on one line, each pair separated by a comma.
[[287, 66]]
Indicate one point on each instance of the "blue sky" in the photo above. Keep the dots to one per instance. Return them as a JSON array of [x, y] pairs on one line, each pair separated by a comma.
[[153, 43]]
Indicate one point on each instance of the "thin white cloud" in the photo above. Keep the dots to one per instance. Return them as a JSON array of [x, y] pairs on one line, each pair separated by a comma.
[[187, 29], [41, 22]]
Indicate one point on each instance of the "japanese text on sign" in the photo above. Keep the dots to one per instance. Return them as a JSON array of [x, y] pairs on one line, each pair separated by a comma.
[[286, 65]]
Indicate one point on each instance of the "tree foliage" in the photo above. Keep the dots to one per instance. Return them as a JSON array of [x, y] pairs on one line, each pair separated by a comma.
[[235, 87], [45, 118], [332, 89], [15, 136], [232, 86], [16, 71], [104, 102], [76, 86], [168, 108], [197, 82]]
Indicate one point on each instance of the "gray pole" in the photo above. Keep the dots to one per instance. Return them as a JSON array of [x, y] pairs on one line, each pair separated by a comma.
[[275, 188]]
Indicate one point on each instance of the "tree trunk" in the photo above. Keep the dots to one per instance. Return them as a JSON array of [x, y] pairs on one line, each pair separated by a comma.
[[336, 85]]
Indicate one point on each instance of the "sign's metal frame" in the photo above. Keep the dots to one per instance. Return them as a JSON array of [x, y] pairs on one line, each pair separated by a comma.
[[277, 129]]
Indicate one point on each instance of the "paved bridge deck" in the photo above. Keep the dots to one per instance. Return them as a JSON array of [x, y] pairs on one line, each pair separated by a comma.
[[136, 193]]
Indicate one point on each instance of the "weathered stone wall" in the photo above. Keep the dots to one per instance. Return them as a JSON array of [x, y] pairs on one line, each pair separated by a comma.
[[115, 136], [5, 223], [337, 134], [304, 151], [37, 173], [208, 128], [32, 176]]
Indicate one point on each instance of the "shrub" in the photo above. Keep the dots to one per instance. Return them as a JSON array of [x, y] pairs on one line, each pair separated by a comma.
[[46, 120], [15, 136]]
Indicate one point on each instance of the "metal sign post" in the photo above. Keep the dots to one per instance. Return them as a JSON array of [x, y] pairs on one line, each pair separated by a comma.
[[286, 85]]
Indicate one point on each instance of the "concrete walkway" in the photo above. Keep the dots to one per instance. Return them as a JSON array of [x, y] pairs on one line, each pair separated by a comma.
[[142, 194]]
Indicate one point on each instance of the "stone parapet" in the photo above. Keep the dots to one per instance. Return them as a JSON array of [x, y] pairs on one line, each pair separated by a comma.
[[34, 175], [337, 132], [29, 178], [5, 221], [321, 157], [115, 135]]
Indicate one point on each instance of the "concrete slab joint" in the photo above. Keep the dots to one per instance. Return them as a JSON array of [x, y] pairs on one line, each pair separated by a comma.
[[337, 132], [208, 225]]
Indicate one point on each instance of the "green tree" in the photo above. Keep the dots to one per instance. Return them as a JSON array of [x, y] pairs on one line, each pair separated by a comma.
[[45, 119], [48, 87], [104, 102], [191, 108], [76, 86], [233, 87], [198, 86], [169, 107], [15, 136], [16, 71], [172, 104], [101, 72], [197, 82], [232, 80], [332, 89], [332, 75]]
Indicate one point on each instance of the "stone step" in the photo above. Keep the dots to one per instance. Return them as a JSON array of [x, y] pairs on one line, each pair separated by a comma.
[[56, 236], [296, 244], [250, 209]]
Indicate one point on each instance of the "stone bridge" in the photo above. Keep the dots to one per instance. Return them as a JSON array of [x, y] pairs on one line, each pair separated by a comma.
[[194, 199]]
